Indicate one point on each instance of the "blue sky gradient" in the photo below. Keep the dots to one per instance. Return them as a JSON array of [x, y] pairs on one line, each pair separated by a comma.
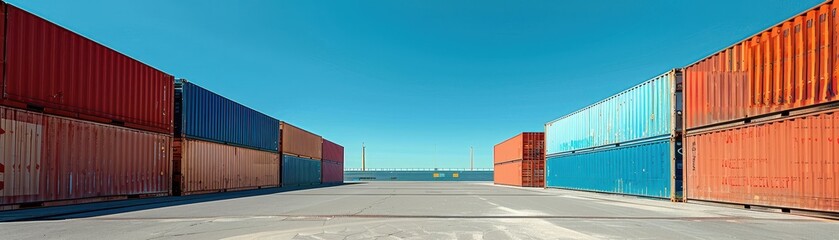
[[418, 81]]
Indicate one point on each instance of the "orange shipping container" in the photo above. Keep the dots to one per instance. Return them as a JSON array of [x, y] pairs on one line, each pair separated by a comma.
[[786, 67], [787, 163], [297, 141], [49, 160], [527, 146], [201, 167], [520, 160]]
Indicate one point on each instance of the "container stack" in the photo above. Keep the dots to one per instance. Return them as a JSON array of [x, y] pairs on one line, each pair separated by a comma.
[[520, 160], [761, 117], [332, 169], [301, 156], [221, 145], [79, 122], [626, 144]]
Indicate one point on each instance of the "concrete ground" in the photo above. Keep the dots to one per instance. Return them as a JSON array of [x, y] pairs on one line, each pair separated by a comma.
[[418, 210]]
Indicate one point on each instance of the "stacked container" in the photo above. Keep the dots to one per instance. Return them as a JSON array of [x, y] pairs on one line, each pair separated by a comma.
[[761, 117], [332, 164], [79, 122], [628, 143], [301, 153], [221, 145], [520, 160]]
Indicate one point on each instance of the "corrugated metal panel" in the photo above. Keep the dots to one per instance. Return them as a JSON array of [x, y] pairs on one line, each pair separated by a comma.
[[333, 151], [200, 167], [788, 163], [48, 158], [300, 171], [640, 169], [66, 74], [508, 173], [527, 146], [785, 67], [300, 142], [641, 112], [202, 114], [333, 172]]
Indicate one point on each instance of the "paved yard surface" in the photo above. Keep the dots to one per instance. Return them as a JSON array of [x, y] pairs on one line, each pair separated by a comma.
[[413, 210]]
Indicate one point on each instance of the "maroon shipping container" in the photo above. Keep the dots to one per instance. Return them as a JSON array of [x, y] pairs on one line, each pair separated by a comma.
[[63, 73], [786, 163], [333, 172], [333, 151], [59, 160]]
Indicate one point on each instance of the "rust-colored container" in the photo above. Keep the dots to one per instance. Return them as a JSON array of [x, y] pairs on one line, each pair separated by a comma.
[[786, 67], [299, 142], [333, 151], [333, 172], [53, 69], [520, 160], [787, 163], [527, 145], [203, 167], [522, 173], [49, 160]]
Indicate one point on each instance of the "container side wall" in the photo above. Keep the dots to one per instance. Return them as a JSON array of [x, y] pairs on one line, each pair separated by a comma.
[[641, 112], [51, 68], [203, 166], [788, 163], [300, 171], [297, 141], [509, 150], [640, 169], [211, 117], [333, 151], [508, 173], [48, 158], [333, 172]]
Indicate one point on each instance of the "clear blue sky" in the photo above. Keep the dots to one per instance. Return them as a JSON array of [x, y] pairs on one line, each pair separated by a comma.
[[406, 76]]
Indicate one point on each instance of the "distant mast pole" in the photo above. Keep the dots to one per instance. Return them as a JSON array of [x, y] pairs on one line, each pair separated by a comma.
[[363, 156], [471, 159]]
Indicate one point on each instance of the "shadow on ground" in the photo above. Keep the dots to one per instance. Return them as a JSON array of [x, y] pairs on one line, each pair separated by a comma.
[[130, 205]]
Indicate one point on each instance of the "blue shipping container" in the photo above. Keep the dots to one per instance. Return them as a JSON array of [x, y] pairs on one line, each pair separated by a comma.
[[642, 112], [639, 169], [202, 114], [299, 171]]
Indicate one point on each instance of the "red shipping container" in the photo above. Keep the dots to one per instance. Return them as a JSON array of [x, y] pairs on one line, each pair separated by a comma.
[[203, 167], [299, 142], [786, 67], [527, 146], [333, 151], [53, 159], [508, 173], [51, 68], [333, 171], [526, 173], [787, 163]]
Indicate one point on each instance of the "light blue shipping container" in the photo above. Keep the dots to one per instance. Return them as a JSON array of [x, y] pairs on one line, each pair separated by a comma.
[[202, 114], [299, 171], [642, 169], [640, 113]]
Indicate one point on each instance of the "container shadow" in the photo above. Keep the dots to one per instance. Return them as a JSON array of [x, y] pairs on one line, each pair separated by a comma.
[[130, 205]]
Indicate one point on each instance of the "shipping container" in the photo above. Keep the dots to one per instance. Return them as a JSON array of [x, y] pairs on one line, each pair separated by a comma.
[[791, 65], [522, 173], [527, 146], [332, 172], [642, 112], [642, 169], [54, 70], [788, 163], [49, 160], [299, 142], [202, 167], [202, 114], [333, 151], [298, 171]]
